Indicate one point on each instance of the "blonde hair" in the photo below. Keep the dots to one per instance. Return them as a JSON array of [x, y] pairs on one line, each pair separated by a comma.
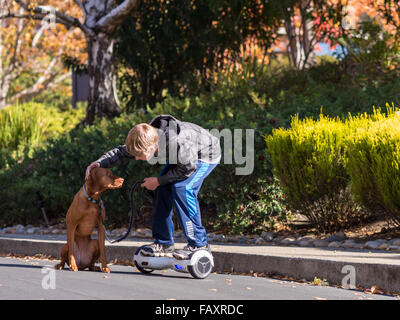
[[140, 138]]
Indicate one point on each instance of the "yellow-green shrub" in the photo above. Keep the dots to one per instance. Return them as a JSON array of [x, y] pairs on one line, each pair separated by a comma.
[[372, 161], [308, 160], [26, 125]]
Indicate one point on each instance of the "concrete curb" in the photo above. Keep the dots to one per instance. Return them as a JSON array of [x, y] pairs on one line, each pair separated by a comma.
[[297, 263]]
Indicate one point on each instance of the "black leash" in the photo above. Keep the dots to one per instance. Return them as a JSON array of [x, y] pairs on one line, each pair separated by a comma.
[[139, 212]]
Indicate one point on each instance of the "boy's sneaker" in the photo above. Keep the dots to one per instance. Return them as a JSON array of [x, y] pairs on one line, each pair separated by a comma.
[[157, 250], [188, 251]]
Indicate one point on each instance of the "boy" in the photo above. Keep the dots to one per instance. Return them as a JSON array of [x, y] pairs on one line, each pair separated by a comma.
[[192, 154]]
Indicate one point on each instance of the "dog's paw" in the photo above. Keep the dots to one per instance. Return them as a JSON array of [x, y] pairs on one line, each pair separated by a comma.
[[59, 266], [73, 268]]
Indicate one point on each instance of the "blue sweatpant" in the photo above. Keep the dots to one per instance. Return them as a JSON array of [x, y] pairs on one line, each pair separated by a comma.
[[182, 195]]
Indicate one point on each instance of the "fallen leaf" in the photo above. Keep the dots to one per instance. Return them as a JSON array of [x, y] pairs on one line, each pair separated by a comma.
[[376, 290], [213, 290], [164, 271]]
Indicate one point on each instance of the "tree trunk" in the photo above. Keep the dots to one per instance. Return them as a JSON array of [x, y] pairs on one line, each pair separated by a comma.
[[103, 99]]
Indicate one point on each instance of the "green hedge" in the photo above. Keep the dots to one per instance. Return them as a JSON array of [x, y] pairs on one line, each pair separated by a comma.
[[340, 172], [308, 159], [373, 163], [25, 126]]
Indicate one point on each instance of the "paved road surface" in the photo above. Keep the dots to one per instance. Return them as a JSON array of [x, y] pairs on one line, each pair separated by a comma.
[[24, 279]]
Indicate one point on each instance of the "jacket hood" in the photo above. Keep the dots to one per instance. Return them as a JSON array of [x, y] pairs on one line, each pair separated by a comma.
[[162, 121]]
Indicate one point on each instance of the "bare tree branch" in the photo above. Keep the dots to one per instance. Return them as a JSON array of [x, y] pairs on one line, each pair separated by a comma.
[[40, 12], [109, 22], [45, 84], [46, 81]]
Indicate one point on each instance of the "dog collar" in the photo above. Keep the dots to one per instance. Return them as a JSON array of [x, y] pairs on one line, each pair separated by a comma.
[[89, 198]]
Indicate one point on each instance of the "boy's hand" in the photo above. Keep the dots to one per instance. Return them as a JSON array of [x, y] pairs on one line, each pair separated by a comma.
[[90, 167], [150, 183]]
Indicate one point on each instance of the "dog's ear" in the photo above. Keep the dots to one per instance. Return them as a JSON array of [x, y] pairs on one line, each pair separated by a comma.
[[92, 179]]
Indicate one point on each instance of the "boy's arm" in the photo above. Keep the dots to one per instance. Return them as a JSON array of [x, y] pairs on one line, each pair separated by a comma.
[[115, 157]]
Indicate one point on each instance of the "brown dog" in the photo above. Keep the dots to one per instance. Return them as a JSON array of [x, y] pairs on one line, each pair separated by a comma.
[[81, 251]]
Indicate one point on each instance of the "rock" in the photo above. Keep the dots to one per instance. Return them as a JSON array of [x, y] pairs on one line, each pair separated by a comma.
[[383, 246], [395, 242], [334, 244], [38, 231], [19, 227], [321, 243], [305, 238], [10, 230], [232, 239], [348, 243], [210, 236], [118, 232], [259, 240], [219, 238], [143, 233], [289, 240], [372, 244], [30, 230], [339, 236], [357, 245], [305, 243], [267, 236]]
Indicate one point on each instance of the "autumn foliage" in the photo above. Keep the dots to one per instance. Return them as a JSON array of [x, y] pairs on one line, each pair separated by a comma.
[[34, 49]]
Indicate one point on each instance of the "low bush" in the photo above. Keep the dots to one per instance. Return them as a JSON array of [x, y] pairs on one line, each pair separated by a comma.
[[308, 160], [373, 159], [25, 126]]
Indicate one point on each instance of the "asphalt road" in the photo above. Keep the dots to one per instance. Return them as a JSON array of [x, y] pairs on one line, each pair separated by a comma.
[[30, 279]]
